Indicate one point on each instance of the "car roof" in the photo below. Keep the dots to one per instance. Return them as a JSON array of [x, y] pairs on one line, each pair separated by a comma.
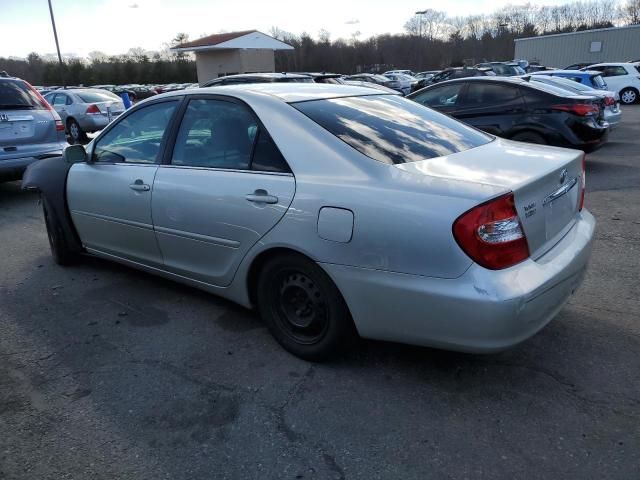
[[570, 72], [610, 64], [287, 92], [521, 81], [262, 75]]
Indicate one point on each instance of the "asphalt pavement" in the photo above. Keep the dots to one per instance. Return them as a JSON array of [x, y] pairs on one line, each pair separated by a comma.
[[109, 373]]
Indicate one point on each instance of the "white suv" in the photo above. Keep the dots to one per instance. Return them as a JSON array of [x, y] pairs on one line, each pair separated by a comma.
[[623, 78]]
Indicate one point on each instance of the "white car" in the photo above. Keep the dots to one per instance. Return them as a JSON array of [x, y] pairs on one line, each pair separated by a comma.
[[405, 81], [623, 78]]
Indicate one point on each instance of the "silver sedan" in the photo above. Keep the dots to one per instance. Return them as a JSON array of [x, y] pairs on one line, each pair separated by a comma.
[[335, 210], [85, 110]]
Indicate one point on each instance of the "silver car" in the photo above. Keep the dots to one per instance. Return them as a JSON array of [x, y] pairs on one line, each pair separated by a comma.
[[29, 128], [334, 210], [612, 112], [85, 110]]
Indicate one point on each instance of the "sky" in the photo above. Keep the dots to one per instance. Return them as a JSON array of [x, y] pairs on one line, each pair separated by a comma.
[[115, 26]]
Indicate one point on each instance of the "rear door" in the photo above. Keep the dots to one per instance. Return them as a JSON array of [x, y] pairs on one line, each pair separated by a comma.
[[110, 198], [223, 187], [60, 104], [491, 106]]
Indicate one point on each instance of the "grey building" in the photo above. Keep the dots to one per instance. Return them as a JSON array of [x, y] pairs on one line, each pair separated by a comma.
[[618, 44], [223, 54]]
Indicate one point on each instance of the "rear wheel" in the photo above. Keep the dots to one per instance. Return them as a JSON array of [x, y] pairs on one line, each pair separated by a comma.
[[629, 96], [529, 137], [303, 308], [75, 132], [61, 253]]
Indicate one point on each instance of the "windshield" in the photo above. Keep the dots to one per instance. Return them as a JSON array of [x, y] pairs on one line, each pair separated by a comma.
[[96, 97], [16, 94], [392, 129]]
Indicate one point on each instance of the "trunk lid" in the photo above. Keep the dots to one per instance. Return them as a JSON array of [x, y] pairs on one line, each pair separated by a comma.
[[545, 181]]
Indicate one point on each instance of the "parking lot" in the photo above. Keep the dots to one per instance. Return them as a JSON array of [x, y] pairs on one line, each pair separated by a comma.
[[106, 372]]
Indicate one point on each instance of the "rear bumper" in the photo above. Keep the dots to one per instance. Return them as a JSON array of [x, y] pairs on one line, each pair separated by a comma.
[[92, 123], [481, 311], [12, 169]]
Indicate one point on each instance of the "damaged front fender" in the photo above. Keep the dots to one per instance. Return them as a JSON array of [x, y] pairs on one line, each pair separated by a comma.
[[49, 177]]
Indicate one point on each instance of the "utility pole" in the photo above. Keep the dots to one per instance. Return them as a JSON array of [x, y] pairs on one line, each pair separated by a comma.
[[420, 13], [55, 35]]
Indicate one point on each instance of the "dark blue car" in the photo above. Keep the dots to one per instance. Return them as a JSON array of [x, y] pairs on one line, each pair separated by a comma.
[[590, 78]]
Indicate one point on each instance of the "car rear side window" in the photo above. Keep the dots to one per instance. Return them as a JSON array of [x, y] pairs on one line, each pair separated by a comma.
[[391, 129], [16, 95], [597, 81], [484, 94], [137, 137], [441, 96], [215, 134]]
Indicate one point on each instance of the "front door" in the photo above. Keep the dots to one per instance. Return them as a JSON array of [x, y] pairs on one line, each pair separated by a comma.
[[110, 197], [225, 187]]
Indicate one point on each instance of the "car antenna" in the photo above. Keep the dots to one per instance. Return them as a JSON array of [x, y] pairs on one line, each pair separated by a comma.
[[526, 78]]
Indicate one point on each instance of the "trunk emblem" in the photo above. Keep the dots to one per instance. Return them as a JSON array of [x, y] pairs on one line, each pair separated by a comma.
[[4, 117], [563, 175]]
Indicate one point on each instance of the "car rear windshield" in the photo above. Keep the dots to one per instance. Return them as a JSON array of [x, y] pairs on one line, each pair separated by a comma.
[[295, 80], [16, 95], [96, 97], [391, 129]]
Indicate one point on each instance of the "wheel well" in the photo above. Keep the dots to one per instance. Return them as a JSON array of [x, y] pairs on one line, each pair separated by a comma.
[[258, 263], [69, 120]]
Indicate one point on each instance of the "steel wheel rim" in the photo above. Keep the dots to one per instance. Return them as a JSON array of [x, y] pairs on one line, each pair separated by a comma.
[[301, 309]]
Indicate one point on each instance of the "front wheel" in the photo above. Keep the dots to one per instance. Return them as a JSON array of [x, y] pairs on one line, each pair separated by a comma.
[[60, 252], [628, 96], [303, 308]]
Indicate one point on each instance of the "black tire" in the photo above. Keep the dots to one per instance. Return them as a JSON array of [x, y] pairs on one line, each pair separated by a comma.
[[60, 252], [629, 96], [303, 308], [529, 137], [75, 131]]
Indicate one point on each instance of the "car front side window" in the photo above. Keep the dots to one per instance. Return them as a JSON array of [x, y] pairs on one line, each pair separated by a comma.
[[137, 137], [444, 96]]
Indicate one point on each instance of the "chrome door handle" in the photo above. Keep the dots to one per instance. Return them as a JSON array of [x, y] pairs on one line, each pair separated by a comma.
[[261, 196], [140, 187]]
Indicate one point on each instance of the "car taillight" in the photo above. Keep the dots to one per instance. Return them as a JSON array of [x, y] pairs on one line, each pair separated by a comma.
[[608, 101], [45, 104], [491, 234], [583, 183], [93, 109], [581, 109], [59, 125]]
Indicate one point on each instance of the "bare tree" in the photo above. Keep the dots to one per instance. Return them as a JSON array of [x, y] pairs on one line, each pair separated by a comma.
[[631, 12]]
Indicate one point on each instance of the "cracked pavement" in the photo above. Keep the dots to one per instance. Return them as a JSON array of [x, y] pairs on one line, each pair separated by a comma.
[[109, 373]]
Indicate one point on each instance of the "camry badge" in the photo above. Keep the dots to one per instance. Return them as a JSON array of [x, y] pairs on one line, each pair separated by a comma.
[[4, 117]]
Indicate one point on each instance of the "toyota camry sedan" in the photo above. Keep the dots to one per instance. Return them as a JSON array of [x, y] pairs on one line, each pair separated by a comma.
[[335, 211]]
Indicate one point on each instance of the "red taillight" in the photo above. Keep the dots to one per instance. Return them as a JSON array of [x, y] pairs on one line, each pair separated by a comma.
[[491, 234], [583, 182], [581, 109], [93, 109], [608, 101], [59, 126], [45, 104]]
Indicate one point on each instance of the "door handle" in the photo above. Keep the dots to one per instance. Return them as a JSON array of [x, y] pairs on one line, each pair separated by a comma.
[[261, 196], [139, 186]]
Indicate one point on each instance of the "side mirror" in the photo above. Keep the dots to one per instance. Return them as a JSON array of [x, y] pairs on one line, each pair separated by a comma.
[[75, 154]]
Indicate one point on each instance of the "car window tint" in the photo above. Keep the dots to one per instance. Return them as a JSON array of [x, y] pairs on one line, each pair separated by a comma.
[[614, 71], [215, 134], [484, 94], [442, 96], [59, 99], [136, 138], [392, 129], [15, 94], [266, 156], [533, 96]]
